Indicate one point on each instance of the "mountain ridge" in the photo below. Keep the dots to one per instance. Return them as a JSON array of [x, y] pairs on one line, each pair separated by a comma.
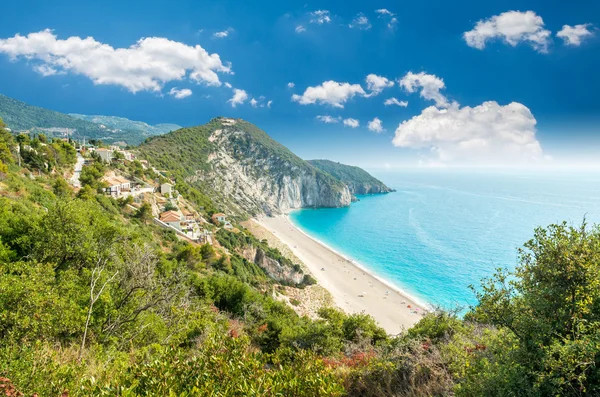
[[357, 179]]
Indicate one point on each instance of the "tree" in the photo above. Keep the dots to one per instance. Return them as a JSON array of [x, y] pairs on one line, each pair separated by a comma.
[[144, 213], [551, 304]]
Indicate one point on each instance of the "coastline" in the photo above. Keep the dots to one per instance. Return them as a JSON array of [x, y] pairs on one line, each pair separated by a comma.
[[354, 288]]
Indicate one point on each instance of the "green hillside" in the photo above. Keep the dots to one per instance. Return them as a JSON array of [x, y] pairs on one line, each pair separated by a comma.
[[19, 116], [96, 300], [122, 123], [358, 180]]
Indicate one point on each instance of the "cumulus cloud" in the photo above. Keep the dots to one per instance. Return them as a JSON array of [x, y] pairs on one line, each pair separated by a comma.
[[574, 35], [320, 17], [239, 97], [269, 103], [328, 119], [352, 123], [384, 11], [145, 66], [429, 84], [329, 93], [300, 29], [488, 133], [513, 27], [222, 34], [180, 94], [394, 101], [375, 125], [376, 84], [360, 22], [253, 102], [291, 85]]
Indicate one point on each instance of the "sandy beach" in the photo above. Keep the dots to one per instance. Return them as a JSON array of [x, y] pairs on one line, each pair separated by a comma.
[[354, 290]]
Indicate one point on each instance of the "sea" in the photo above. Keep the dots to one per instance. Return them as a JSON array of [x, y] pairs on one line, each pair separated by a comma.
[[445, 230]]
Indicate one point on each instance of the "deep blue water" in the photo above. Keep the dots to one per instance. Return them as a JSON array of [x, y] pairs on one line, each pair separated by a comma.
[[445, 230]]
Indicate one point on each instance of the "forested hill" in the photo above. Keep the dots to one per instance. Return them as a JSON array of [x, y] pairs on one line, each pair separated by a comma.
[[358, 180], [18, 116], [21, 116], [124, 124], [242, 169]]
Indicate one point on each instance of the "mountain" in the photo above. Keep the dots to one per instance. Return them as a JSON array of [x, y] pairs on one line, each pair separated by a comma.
[[121, 123], [358, 180], [19, 116], [242, 169]]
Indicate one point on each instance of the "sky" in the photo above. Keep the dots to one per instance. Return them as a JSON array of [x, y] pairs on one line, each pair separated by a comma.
[[379, 84]]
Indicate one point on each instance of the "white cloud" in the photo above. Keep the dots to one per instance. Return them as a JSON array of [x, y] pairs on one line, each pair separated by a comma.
[[291, 85], [239, 97], [394, 101], [384, 11], [429, 84], [376, 84], [513, 27], [46, 70], [328, 119], [253, 102], [392, 23], [180, 94], [320, 17], [269, 103], [360, 22], [375, 125], [300, 29], [330, 93], [574, 35], [223, 34], [228, 85], [352, 123], [488, 133], [145, 66]]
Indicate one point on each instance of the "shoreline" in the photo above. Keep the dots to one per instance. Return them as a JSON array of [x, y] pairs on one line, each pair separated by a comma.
[[354, 288]]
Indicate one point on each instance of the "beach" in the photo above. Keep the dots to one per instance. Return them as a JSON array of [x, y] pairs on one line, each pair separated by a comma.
[[354, 290]]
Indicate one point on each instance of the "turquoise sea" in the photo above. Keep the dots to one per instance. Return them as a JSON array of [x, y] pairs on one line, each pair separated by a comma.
[[445, 230]]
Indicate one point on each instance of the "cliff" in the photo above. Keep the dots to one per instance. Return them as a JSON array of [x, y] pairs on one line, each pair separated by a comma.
[[358, 180], [243, 170]]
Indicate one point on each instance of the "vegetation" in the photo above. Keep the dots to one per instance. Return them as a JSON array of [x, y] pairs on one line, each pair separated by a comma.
[[358, 180], [20, 116], [95, 301], [121, 123]]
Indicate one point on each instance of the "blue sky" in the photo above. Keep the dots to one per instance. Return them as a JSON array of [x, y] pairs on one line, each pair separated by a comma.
[[458, 65]]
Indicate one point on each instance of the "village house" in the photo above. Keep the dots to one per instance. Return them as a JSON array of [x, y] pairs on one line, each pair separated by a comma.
[[171, 218], [219, 218], [106, 155], [127, 155], [166, 188], [117, 185]]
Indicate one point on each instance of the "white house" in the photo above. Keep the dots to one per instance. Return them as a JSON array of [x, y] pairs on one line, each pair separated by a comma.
[[171, 218], [166, 188], [117, 185], [105, 154]]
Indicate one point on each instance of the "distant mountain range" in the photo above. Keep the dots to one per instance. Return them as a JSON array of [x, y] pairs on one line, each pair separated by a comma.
[[19, 116], [121, 123]]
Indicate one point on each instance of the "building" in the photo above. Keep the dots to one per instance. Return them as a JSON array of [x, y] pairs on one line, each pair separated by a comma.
[[106, 155], [127, 155], [219, 218], [166, 188], [117, 185], [171, 218]]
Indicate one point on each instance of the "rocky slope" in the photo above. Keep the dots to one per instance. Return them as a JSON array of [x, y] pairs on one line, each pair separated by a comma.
[[358, 180], [243, 170]]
